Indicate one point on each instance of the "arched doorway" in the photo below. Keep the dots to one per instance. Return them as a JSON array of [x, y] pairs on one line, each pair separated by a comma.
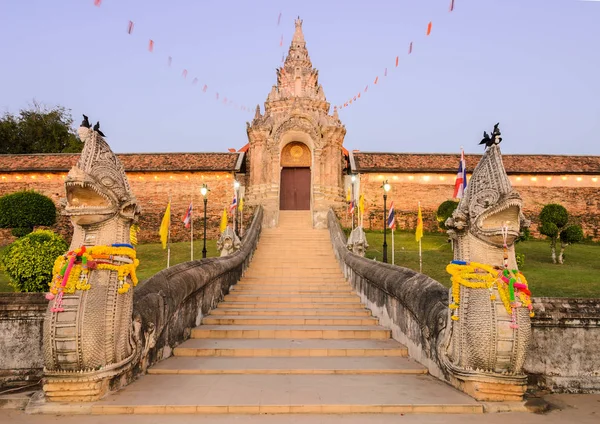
[[294, 190]]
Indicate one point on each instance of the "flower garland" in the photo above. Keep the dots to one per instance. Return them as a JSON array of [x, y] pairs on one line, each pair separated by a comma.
[[511, 285], [71, 270]]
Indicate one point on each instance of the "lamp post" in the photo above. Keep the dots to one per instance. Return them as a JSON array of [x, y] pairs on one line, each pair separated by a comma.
[[204, 191], [386, 187], [236, 186], [353, 178]]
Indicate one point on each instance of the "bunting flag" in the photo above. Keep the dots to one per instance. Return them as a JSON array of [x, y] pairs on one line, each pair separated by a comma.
[[195, 81], [410, 50], [281, 41], [204, 88], [151, 46], [164, 226], [361, 204], [223, 226], [419, 232], [241, 206], [279, 19]]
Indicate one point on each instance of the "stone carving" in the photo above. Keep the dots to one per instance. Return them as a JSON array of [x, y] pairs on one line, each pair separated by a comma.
[[357, 242], [295, 154], [89, 337], [485, 347], [229, 242]]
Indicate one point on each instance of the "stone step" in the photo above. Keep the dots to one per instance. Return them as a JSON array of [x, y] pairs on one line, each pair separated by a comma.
[[293, 305], [294, 312], [324, 291], [286, 394], [290, 348], [287, 320], [317, 365], [306, 298], [319, 281], [290, 331]]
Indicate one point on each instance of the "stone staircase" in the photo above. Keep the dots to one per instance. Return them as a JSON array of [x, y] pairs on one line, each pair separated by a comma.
[[291, 337]]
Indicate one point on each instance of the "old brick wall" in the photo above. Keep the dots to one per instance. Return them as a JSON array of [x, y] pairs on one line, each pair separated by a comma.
[[152, 190], [582, 202]]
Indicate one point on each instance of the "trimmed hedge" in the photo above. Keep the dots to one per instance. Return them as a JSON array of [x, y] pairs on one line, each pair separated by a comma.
[[24, 210], [28, 261]]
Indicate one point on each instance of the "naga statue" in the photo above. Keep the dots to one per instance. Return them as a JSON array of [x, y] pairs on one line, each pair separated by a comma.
[[357, 242], [489, 328], [229, 242], [89, 337]]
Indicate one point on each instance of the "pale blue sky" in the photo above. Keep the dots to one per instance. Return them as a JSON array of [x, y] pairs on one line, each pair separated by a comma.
[[533, 65]]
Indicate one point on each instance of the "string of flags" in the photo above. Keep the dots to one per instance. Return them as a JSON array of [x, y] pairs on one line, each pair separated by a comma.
[[184, 74], [356, 97]]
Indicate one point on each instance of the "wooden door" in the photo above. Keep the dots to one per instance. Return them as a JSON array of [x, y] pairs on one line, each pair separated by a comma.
[[295, 189]]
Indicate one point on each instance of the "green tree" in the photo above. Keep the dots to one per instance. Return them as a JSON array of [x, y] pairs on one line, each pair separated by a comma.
[[444, 212], [24, 210], [553, 224], [28, 262], [39, 130]]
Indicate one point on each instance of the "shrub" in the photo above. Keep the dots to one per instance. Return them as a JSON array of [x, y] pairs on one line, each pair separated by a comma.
[[28, 261], [520, 257], [445, 211], [524, 235], [24, 210]]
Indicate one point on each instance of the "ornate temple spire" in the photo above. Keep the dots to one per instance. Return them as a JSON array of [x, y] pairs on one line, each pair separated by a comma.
[[298, 54]]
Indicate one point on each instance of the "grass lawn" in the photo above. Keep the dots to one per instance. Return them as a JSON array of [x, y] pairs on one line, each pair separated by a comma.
[[578, 277], [152, 258]]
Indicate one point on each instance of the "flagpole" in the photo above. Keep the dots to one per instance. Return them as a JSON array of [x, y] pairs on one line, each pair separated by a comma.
[[420, 251], [169, 237], [192, 227], [393, 262]]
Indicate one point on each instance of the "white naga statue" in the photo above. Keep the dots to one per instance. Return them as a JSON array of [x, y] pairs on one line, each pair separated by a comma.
[[489, 328], [229, 242], [357, 242]]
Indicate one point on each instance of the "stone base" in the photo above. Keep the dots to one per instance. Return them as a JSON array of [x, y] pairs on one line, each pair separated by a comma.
[[490, 391], [76, 391]]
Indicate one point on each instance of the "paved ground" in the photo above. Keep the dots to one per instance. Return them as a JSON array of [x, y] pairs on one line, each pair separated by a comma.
[[569, 409]]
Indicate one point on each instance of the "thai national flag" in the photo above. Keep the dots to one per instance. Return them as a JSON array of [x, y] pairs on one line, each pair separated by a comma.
[[233, 204], [188, 217], [352, 207], [391, 222], [460, 185]]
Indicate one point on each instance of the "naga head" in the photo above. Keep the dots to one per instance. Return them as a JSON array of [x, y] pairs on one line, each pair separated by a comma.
[[357, 242], [97, 188], [228, 242], [491, 210]]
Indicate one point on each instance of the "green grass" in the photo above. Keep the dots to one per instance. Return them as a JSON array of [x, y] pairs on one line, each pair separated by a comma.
[[152, 258], [578, 277]]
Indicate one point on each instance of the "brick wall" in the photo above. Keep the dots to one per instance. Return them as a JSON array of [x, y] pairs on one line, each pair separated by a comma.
[[580, 197], [152, 190]]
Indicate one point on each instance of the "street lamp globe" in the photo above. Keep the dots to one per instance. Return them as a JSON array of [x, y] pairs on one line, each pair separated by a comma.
[[204, 191], [236, 184], [353, 178], [387, 187]]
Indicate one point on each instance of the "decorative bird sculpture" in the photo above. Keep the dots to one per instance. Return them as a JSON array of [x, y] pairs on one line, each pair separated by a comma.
[[97, 129], [85, 122], [487, 140], [496, 134]]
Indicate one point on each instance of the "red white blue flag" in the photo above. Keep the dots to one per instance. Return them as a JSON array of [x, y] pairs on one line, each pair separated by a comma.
[[460, 185], [351, 208], [233, 204], [188, 217], [391, 221]]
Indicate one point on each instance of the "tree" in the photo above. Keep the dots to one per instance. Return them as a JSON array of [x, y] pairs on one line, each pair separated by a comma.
[[39, 130], [445, 211], [553, 224], [24, 210]]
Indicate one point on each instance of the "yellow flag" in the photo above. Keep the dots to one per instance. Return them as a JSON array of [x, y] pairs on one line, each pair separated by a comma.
[[348, 195], [241, 205], [224, 220], [164, 226], [419, 233], [361, 204]]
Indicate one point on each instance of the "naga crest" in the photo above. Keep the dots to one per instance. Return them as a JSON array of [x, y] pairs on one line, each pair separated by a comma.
[[489, 204], [97, 188], [357, 242], [229, 242]]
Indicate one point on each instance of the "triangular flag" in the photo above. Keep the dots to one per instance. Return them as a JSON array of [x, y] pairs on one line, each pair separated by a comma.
[[429, 28], [397, 57], [419, 232], [410, 48], [376, 79], [151, 46]]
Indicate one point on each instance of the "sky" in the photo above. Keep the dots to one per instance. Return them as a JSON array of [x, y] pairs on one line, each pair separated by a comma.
[[532, 65]]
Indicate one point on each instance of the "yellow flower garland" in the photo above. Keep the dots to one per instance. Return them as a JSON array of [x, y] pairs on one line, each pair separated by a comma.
[[78, 278], [481, 276]]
